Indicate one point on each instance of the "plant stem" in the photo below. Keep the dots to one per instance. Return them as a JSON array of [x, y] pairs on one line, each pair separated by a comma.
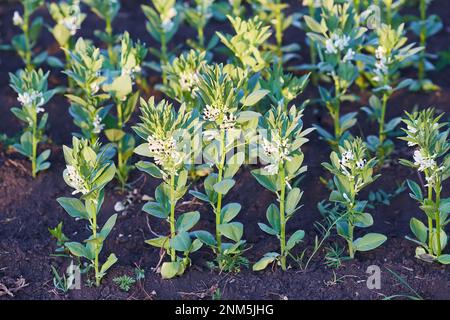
[[312, 48], [279, 32], [109, 32], [163, 55], [26, 30], [430, 223], [94, 234], [438, 217], [336, 112], [219, 196], [382, 134], [201, 37], [120, 163], [34, 146], [172, 215], [282, 218], [423, 39]]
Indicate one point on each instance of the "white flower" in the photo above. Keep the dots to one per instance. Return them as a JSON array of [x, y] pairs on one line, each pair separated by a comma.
[[189, 81], [31, 98], [75, 180], [72, 24], [277, 151], [411, 129], [166, 19], [380, 53], [94, 87], [361, 163], [97, 124], [17, 19], [329, 47], [229, 121], [336, 43], [210, 113], [272, 168], [422, 161], [164, 151], [350, 55]]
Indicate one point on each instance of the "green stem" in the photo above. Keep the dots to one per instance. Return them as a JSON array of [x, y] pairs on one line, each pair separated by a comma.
[[337, 111], [201, 37], [94, 234], [351, 249], [164, 58], [34, 147], [172, 215], [430, 223], [282, 218], [312, 49], [26, 32], [279, 32], [120, 161], [109, 32], [382, 134], [438, 217], [219, 196], [423, 39], [389, 13]]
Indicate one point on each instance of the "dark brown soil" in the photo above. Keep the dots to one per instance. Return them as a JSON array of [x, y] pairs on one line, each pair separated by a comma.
[[28, 207]]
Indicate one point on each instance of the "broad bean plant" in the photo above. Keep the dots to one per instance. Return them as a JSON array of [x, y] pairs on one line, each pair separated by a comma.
[[338, 36], [33, 94], [88, 107], [425, 134], [88, 171], [107, 11], [25, 42], [226, 127], [391, 54], [166, 132], [281, 151], [353, 172]]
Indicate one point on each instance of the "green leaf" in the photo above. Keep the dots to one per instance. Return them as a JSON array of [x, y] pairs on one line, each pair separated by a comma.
[[187, 220], [369, 242], [224, 186], [419, 230], [363, 220], [245, 116], [114, 135], [295, 239], [266, 181], [160, 242], [444, 259], [314, 26], [273, 216], [143, 150], [74, 207], [181, 242], [264, 227], [150, 168], [107, 227], [232, 230], [112, 259], [254, 97], [199, 195], [77, 249], [415, 189], [155, 209], [120, 87], [230, 211], [292, 200], [171, 269], [264, 262], [205, 237]]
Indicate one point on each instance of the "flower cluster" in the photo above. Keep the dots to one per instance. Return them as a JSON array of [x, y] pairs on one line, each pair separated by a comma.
[[166, 19], [382, 64], [164, 151], [351, 165], [277, 151], [337, 43], [31, 98], [189, 81], [75, 180], [17, 19], [97, 124]]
